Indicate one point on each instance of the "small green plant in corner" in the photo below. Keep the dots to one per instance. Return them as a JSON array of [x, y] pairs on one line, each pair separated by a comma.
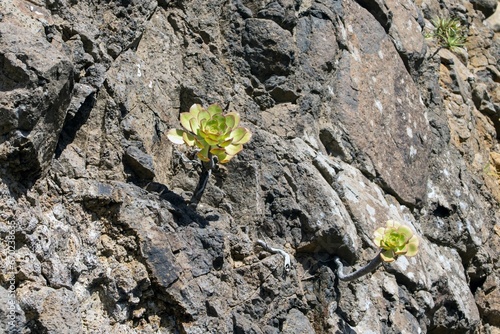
[[490, 170], [448, 32], [393, 240], [218, 138]]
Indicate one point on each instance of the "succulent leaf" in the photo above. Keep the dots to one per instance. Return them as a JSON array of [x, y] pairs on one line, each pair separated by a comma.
[[188, 139], [236, 117], [395, 239], [220, 153], [210, 140], [226, 142], [214, 109], [195, 110], [401, 250], [230, 121], [241, 135], [412, 246], [203, 116], [176, 136], [212, 132], [379, 235], [185, 117], [195, 125], [203, 154], [405, 231], [387, 255], [233, 149], [200, 142], [226, 159]]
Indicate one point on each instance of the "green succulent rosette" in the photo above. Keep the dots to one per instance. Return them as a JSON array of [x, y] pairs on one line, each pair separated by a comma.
[[449, 32], [395, 239], [212, 132]]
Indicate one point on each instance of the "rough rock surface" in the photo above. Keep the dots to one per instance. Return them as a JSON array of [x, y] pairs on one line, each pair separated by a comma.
[[356, 119]]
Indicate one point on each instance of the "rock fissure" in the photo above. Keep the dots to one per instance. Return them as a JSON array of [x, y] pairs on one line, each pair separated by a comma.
[[356, 117]]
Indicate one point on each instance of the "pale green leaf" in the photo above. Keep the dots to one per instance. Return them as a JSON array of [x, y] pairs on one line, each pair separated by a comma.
[[245, 138], [211, 140], [226, 159], [176, 136], [392, 224], [226, 143], [185, 117], [195, 110], [195, 125], [233, 149], [200, 142], [412, 249], [387, 255], [238, 133], [203, 115], [203, 154], [220, 153], [236, 118], [188, 138], [402, 250], [214, 109], [406, 231], [232, 120]]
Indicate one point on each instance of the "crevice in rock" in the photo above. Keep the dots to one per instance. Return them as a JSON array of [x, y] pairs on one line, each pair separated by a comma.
[[182, 214], [379, 11], [441, 211], [379, 181], [73, 123], [187, 97], [134, 44], [34, 325], [276, 12], [402, 279], [334, 144], [21, 163], [411, 62], [156, 299], [475, 284]]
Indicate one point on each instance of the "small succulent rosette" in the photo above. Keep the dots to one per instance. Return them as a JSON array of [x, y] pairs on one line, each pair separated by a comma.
[[212, 132], [395, 239]]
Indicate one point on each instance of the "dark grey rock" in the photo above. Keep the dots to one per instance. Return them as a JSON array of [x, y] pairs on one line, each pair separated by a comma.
[[356, 119], [268, 48], [487, 7], [140, 163], [296, 322], [36, 85]]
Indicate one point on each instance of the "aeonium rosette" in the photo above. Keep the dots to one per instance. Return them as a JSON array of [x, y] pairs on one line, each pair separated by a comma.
[[395, 239], [212, 132]]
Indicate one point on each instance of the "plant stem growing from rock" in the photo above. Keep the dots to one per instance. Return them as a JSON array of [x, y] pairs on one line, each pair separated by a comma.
[[202, 182], [272, 250], [371, 266]]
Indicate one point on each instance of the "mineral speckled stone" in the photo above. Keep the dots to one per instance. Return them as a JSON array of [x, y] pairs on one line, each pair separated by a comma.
[[356, 119]]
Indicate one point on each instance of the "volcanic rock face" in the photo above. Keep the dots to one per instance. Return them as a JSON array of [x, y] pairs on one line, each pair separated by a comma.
[[356, 119]]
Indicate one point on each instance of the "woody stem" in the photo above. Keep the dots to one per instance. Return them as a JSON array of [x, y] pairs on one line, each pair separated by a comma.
[[369, 267], [202, 182]]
